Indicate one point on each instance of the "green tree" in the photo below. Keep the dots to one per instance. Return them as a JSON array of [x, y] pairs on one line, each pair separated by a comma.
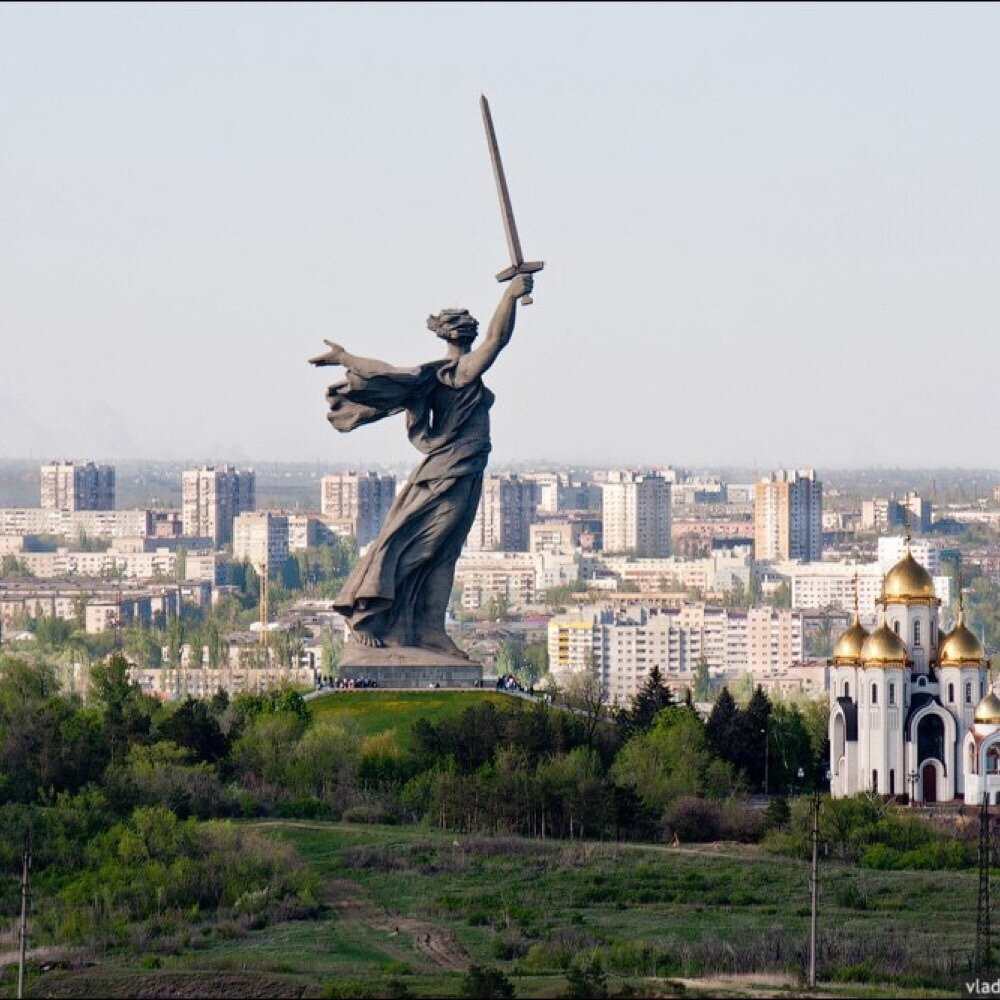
[[653, 697], [127, 711], [670, 760], [702, 681]]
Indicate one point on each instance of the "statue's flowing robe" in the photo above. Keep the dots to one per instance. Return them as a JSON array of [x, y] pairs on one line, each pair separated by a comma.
[[399, 589]]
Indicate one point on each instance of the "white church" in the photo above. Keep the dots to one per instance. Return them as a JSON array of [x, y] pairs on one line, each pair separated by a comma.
[[911, 710]]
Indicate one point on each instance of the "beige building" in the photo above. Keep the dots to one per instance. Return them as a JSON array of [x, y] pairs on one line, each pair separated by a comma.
[[637, 514], [77, 486], [261, 538], [623, 644], [357, 503], [554, 536], [788, 516], [507, 508], [212, 497]]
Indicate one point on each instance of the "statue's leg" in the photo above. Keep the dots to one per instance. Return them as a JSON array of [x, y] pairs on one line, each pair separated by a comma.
[[438, 583]]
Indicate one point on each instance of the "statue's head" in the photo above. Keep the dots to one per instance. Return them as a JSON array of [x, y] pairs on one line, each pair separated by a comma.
[[457, 326]]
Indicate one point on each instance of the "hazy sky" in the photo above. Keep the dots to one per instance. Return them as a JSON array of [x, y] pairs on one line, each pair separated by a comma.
[[772, 233]]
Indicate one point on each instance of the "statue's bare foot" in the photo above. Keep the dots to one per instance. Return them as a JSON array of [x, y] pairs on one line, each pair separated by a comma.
[[363, 638]]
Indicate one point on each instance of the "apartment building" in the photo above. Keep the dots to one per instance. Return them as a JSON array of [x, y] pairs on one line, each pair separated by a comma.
[[637, 514], [788, 516], [77, 486], [211, 499], [623, 644], [357, 503], [261, 538], [507, 508]]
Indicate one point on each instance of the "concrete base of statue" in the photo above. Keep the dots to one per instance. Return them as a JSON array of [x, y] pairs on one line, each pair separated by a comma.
[[409, 667]]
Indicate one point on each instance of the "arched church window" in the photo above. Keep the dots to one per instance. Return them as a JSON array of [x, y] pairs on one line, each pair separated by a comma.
[[892, 782], [892, 701], [874, 695], [993, 760], [895, 625], [951, 692], [916, 632], [875, 782], [847, 689], [968, 693]]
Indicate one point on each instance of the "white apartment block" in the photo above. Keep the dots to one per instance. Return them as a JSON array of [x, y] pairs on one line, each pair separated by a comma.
[[212, 497], [507, 508], [788, 516], [77, 486], [637, 514], [891, 549], [177, 683], [68, 524], [717, 573], [357, 503], [520, 578], [623, 645], [820, 585], [101, 605], [261, 538]]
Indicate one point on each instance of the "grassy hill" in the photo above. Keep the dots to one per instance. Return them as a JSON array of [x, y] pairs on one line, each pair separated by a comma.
[[406, 910], [375, 712]]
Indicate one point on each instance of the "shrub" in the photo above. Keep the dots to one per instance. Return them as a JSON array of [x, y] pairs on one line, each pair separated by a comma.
[[777, 814], [485, 983], [588, 980], [693, 820]]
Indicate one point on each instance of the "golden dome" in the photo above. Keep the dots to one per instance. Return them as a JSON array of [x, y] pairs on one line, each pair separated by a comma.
[[848, 647], [884, 648], [988, 710], [960, 646], [907, 581]]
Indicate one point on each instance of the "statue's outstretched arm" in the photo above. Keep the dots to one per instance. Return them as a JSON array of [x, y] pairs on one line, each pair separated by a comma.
[[337, 355], [472, 365]]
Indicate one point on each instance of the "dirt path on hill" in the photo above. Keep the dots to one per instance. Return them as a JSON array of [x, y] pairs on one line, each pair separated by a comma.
[[437, 945]]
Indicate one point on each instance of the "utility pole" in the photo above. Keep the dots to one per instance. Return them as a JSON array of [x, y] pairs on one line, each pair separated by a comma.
[[25, 899], [984, 942], [815, 888]]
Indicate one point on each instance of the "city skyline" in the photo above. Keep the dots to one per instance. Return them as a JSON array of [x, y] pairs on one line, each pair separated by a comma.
[[772, 212]]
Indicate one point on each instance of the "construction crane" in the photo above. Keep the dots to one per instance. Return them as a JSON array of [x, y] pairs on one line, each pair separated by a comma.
[[262, 571]]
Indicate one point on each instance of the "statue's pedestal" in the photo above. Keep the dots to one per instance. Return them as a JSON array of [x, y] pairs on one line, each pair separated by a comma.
[[408, 667]]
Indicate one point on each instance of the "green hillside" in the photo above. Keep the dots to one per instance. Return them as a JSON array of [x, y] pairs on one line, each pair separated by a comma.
[[406, 910], [375, 712]]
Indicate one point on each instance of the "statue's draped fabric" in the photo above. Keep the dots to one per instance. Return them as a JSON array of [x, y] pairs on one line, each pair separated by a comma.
[[399, 589]]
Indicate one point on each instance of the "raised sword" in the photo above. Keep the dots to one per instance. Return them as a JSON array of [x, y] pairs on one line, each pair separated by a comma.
[[518, 265]]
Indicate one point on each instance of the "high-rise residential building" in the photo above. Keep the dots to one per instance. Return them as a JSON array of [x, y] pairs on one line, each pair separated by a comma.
[[507, 508], [621, 645], [637, 514], [261, 538], [357, 503], [77, 486], [211, 497], [788, 516]]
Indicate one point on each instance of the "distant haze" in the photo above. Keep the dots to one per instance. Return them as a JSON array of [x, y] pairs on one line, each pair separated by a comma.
[[772, 233]]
